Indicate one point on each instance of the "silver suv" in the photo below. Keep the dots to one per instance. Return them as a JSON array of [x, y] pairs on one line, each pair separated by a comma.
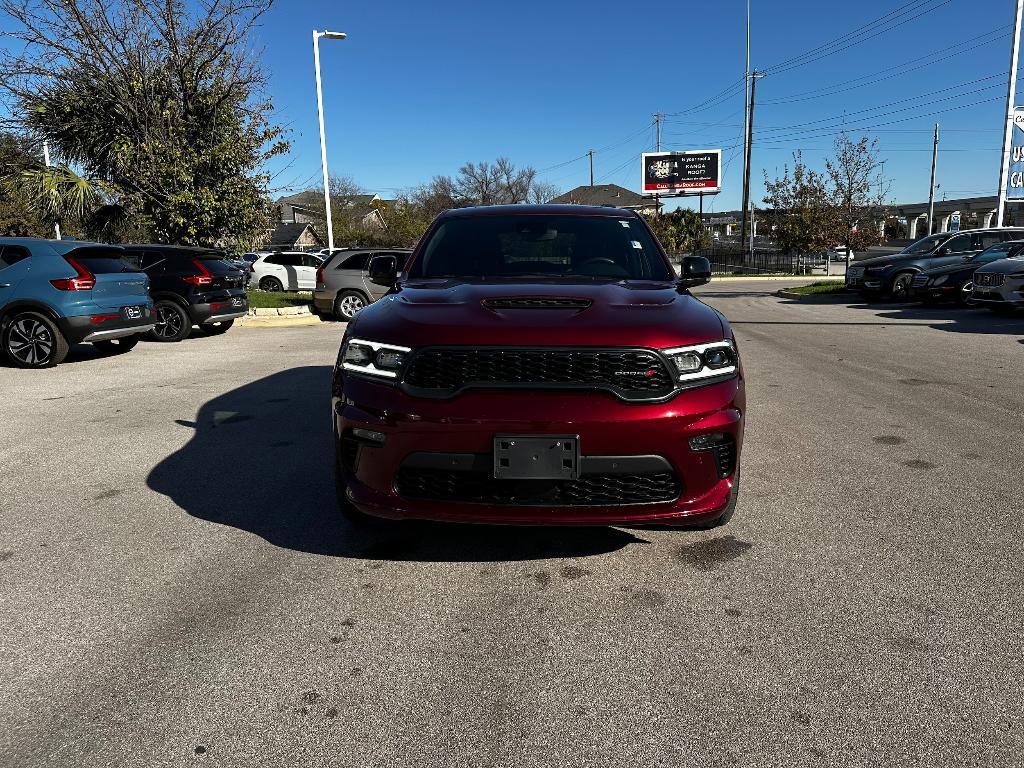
[[342, 284]]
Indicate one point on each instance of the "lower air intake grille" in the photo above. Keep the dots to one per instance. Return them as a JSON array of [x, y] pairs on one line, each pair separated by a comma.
[[587, 491]]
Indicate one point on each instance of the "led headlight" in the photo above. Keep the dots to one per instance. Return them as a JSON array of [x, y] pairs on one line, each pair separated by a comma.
[[703, 361], [373, 358]]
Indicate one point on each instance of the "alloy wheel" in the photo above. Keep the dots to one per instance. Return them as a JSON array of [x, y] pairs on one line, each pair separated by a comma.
[[350, 305], [168, 322], [900, 286], [30, 341]]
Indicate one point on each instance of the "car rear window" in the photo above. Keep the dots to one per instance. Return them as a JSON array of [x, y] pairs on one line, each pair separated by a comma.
[[216, 264], [101, 261]]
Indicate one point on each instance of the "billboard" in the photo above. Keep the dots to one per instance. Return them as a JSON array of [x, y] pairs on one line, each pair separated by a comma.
[[669, 174], [1015, 177]]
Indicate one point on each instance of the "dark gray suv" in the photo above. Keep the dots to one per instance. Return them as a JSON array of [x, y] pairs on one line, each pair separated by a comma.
[[893, 275], [343, 286]]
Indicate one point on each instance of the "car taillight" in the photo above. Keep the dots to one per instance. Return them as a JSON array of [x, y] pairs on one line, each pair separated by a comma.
[[83, 281], [320, 275], [252, 266], [203, 278]]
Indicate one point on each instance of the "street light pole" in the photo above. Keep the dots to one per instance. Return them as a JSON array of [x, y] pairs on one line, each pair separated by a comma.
[[1011, 99], [323, 139], [46, 159]]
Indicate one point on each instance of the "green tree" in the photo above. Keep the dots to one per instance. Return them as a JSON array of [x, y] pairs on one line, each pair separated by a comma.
[[801, 214], [158, 103], [680, 231], [856, 191], [18, 216]]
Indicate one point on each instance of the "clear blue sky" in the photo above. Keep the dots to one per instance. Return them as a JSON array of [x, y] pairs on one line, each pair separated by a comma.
[[419, 88]]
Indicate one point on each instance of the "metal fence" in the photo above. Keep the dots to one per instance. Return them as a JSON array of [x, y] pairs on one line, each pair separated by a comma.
[[732, 259]]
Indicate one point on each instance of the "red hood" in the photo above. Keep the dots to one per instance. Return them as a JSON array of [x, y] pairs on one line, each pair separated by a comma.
[[635, 314]]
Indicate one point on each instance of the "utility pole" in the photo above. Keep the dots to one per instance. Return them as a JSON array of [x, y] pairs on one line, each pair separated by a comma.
[[931, 189], [591, 153], [657, 127], [1011, 91], [750, 145], [746, 96], [46, 159]]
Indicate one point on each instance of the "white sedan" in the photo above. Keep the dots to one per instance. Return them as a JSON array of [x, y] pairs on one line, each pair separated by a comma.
[[285, 271]]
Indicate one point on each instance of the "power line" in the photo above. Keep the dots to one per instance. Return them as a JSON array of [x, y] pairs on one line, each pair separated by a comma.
[[899, 70], [904, 14]]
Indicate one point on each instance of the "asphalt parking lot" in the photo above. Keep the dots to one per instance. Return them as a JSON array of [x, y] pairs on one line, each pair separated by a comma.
[[176, 589]]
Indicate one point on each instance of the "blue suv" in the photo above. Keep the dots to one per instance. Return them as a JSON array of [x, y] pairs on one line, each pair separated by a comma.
[[57, 293]]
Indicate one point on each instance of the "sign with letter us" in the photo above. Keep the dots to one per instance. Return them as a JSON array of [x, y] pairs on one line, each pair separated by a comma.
[[1015, 177]]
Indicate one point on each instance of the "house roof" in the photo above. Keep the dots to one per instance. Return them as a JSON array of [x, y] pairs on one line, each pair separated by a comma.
[[287, 235], [605, 194]]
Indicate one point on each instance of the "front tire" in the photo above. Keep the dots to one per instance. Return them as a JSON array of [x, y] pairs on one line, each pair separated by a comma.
[[901, 286], [347, 305], [117, 346], [31, 340], [172, 322]]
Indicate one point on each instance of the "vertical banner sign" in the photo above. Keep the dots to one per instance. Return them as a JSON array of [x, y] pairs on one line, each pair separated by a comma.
[[1015, 178], [674, 174], [954, 222]]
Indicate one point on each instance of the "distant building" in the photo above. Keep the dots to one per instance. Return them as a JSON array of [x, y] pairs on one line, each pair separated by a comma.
[[293, 236], [307, 208], [608, 195]]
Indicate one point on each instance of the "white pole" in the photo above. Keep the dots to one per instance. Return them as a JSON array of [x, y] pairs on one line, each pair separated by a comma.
[[1011, 92], [323, 139], [46, 159]]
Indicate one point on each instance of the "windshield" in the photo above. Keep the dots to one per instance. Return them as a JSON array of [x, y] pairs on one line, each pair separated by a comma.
[[996, 252], [600, 247], [927, 244]]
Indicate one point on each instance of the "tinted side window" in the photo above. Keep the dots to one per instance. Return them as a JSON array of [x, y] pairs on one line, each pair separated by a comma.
[[11, 254], [958, 244], [355, 261], [309, 260], [291, 259], [277, 260], [988, 239]]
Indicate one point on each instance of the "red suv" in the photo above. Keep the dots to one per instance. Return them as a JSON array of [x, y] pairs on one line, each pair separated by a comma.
[[539, 365]]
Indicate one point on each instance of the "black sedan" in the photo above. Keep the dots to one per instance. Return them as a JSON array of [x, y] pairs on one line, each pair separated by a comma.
[[952, 282]]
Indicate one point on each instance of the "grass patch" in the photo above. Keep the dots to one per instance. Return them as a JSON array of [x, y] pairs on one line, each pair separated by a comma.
[[822, 286], [276, 300]]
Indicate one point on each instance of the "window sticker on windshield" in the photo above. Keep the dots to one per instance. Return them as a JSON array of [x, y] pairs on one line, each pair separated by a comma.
[[624, 223], [636, 244]]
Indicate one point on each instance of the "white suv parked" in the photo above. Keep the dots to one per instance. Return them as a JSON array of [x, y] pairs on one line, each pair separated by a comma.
[[285, 271]]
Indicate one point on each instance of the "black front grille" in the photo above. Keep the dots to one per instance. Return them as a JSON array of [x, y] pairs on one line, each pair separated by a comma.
[[529, 302], [632, 374], [587, 491], [989, 279]]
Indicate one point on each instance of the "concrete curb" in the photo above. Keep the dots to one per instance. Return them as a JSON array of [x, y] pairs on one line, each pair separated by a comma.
[[818, 298], [279, 311]]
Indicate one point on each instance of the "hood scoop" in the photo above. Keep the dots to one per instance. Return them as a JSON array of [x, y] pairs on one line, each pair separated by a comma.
[[536, 302]]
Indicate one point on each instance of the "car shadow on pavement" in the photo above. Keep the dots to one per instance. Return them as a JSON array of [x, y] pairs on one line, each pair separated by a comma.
[[260, 459]]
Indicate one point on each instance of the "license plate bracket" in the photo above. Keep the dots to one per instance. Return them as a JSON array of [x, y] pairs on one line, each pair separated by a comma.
[[536, 457]]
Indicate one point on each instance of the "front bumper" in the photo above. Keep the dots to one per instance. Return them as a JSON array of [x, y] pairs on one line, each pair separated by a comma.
[[1010, 294], [459, 434]]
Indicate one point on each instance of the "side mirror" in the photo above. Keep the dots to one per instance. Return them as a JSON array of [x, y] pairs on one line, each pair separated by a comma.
[[694, 271], [383, 270]]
